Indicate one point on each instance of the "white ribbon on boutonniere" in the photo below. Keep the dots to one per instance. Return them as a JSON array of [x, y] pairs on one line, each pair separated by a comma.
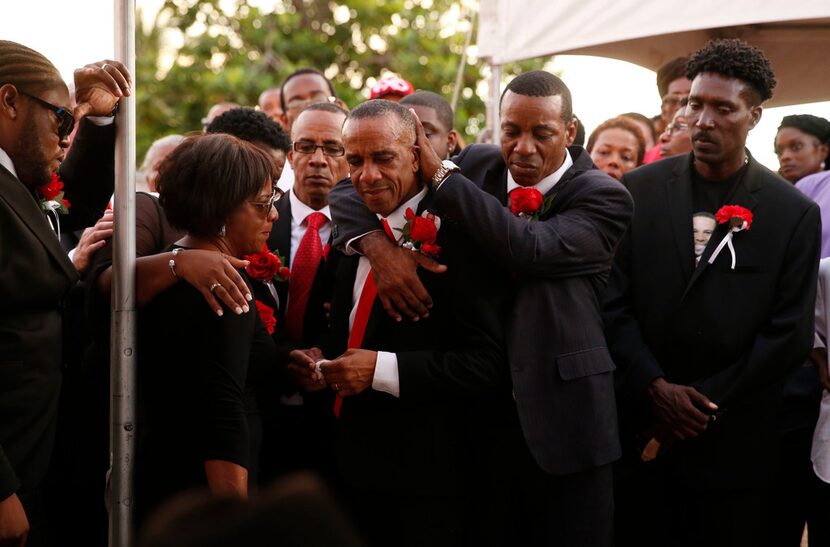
[[739, 219]]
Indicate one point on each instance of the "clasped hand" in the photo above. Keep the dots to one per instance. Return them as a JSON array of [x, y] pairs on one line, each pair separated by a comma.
[[683, 411], [349, 374]]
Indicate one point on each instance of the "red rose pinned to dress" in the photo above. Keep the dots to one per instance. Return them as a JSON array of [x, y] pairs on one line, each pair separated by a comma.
[[266, 266], [735, 215], [420, 232], [739, 219], [529, 203], [266, 313], [51, 196]]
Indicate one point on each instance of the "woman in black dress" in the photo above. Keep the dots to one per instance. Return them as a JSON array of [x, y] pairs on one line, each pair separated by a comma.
[[195, 422]]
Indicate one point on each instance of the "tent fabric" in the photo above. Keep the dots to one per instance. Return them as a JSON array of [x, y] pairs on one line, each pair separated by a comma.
[[794, 35]]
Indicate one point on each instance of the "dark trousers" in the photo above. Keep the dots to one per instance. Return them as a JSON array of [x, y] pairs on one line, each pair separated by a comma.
[[656, 508], [800, 496], [530, 507]]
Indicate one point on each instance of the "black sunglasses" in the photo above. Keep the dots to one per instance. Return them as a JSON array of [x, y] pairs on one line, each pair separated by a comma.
[[66, 121]]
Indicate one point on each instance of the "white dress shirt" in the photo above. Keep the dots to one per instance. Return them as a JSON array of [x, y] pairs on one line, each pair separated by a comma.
[[546, 183], [299, 212], [386, 378], [286, 181], [6, 162]]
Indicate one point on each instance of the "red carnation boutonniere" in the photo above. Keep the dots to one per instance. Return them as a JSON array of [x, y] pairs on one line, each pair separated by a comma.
[[529, 203], [266, 313], [267, 266], [51, 196], [420, 232], [739, 219]]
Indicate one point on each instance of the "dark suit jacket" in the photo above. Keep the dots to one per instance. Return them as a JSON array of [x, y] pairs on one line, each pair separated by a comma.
[[452, 375], [561, 369], [35, 277], [733, 334]]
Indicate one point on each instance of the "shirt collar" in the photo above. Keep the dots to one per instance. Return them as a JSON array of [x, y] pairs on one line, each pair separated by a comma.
[[6, 162], [299, 210], [397, 218], [546, 183]]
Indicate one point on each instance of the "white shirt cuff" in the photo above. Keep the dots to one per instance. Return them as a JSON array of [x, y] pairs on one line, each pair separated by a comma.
[[817, 343], [101, 120], [386, 374], [350, 250]]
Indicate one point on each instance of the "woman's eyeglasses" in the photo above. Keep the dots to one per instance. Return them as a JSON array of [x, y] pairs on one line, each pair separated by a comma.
[[264, 207], [676, 127], [66, 121]]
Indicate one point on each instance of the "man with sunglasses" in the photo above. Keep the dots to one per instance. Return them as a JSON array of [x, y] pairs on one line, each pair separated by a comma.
[[35, 274], [301, 234]]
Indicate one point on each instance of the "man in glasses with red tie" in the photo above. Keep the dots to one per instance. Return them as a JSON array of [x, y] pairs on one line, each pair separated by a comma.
[[40, 194]]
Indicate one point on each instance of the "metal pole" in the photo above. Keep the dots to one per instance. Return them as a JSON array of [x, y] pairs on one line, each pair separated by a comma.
[[495, 94], [459, 78], [122, 353]]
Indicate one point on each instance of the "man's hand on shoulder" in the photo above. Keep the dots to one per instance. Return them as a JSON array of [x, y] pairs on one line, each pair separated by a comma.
[[396, 275], [683, 410], [14, 526], [99, 86]]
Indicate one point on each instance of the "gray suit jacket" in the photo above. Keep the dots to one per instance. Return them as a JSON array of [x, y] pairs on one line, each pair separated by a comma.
[[561, 369]]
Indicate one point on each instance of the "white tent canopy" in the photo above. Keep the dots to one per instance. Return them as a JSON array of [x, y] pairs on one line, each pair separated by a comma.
[[794, 35]]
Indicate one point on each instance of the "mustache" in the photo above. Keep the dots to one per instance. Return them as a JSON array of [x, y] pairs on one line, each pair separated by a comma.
[[702, 136]]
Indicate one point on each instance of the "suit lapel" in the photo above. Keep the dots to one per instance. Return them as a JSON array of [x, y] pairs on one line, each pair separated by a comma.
[[495, 184], [745, 196], [281, 236], [26, 208], [678, 189]]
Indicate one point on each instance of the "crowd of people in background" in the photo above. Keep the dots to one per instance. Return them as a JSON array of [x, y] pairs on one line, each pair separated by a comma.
[[535, 343]]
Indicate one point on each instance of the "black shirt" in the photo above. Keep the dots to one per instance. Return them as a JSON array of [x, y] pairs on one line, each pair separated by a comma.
[[710, 195]]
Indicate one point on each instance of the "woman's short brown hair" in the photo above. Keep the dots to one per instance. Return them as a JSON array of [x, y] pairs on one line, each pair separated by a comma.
[[207, 177], [626, 124]]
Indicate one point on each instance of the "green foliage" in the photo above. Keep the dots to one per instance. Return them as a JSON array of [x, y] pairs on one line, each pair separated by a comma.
[[235, 56]]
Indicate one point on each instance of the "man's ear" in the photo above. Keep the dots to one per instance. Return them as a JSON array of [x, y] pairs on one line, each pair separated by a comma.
[[290, 157], [452, 141], [755, 112], [570, 131], [8, 101], [416, 158]]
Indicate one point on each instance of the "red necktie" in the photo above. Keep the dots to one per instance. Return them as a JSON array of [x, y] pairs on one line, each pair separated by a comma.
[[361, 315], [361, 319], [303, 271]]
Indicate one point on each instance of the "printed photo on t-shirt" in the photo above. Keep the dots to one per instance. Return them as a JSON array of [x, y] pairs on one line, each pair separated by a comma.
[[703, 224]]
